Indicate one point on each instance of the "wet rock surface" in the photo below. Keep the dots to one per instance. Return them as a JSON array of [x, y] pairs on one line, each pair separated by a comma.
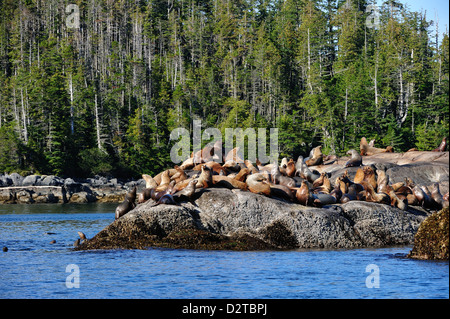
[[432, 239]]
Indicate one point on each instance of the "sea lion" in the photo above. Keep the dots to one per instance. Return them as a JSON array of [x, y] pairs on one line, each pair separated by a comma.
[[337, 193], [397, 202], [232, 166], [355, 160], [442, 146], [187, 192], [250, 166], [127, 205], [322, 184], [145, 195], [258, 184], [422, 198], [179, 176], [205, 179], [359, 176], [234, 155], [290, 168], [316, 158], [167, 199], [320, 200], [82, 235], [149, 181], [278, 178], [242, 175], [397, 186], [228, 182], [303, 195], [372, 196], [188, 164], [282, 192], [383, 182], [304, 172], [446, 202], [436, 195], [366, 149], [369, 176], [170, 189]]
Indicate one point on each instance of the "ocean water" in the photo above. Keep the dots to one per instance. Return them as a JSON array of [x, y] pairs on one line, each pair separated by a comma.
[[33, 267]]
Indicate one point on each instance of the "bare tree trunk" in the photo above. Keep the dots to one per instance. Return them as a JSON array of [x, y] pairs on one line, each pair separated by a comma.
[[71, 104], [97, 124], [24, 118]]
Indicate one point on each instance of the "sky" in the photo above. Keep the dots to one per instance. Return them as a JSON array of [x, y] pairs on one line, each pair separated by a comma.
[[432, 7]]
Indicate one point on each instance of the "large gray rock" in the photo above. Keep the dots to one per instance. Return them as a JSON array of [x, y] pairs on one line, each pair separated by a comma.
[[273, 223]]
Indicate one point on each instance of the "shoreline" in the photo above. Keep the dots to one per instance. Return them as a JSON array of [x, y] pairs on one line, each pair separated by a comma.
[[50, 189]]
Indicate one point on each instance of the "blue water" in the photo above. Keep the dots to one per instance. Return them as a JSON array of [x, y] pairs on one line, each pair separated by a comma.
[[34, 268]]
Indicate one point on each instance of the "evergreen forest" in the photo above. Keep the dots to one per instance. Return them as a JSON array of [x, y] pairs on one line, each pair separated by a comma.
[[96, 86]]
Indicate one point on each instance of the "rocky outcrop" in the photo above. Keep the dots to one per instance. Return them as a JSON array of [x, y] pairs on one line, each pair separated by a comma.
[[432, 238], [232, 219], [53, 189]]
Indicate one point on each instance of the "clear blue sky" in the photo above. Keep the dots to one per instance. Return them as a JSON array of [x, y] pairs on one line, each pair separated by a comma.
[[432, 7]]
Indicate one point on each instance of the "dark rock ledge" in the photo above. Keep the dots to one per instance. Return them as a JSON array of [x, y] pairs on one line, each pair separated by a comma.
[[237, 220]]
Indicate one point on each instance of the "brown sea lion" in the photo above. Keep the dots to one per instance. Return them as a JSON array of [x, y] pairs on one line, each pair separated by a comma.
[[231, 165], [436, 195], [316, 158], [258, 184], [383, 182], [337, 193], [228, 182], [303, 195], [187, 192], [366, 149], [145, 195], [355, 160], [282, 192], [205, 179], [322, 184], [242, 175], [165, 181], [397, 202], [445, 198], [234, 155], [156, 195], [372, 196], [442, 146], [397, 186], [290, 168], [369, 176], [149, 181], [251, 167], [179, 176], [188, 164], [127, 205], [359, 176]]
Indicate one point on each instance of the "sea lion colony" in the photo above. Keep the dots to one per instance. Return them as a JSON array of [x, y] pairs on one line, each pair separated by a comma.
[[293, 181]]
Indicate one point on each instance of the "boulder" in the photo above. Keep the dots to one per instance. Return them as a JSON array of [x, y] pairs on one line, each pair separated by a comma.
[[230, 219], [432, 238], [16, 179], [31, 180]]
